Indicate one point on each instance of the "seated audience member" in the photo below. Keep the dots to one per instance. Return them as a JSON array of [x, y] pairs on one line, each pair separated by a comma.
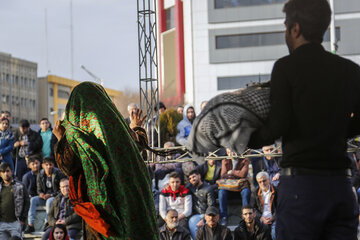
[[62, 212], [7, 140], [176, 196], [14, 204], [29, 179], [233, 169], [250, 227], [171, 228], [180, 110], [48, 138], [210, 171], [270, 165], [264, 201], [163, 169], [58, 232], [202, 198], [212, 230], [47, 184], [185, 125], [27, 142], [132, 107]]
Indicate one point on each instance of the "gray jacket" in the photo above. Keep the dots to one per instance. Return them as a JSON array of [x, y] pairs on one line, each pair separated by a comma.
[[21, 200]]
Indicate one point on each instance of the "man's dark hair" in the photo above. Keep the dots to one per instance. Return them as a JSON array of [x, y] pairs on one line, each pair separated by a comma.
[[194, 171], [49, 160], [6, 112], [44, 118], [161, 105], [4, 166], [4, 119], [313, 16], [174, 175], [247, 207], [24, 123], [34, 157], [63, 180]]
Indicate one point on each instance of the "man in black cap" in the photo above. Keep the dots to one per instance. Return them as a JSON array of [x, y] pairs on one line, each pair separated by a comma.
[[212, 230]]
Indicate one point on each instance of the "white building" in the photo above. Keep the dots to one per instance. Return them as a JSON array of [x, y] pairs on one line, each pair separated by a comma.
[[230, 43]]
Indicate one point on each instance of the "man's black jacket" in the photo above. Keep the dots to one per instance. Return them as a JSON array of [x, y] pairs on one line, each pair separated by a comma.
[[202, 198], [56, 176], [313, 96], [218, 233], [262, 231], [34, 139]]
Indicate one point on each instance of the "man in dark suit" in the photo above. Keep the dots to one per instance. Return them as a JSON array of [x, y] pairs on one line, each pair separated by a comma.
[[315, 107]]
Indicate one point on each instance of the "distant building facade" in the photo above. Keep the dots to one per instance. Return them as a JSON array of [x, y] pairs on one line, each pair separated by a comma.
[[18, 88], [54, 92], [228, 44]]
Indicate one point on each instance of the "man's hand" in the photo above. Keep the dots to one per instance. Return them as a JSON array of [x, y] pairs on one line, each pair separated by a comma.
[[60, 222], [16, 144], [41, 195], [200, 223], [23, 143], [181, 216], [276, 177], [136, 120], [266, 220], [22, 223], [58, 130], [47, 196]]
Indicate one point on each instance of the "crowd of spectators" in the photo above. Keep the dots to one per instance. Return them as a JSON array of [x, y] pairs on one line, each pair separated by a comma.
[[189, 202], [29, 180]]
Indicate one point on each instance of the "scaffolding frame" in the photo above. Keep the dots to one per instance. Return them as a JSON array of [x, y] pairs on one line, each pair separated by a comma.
[[148, 66]]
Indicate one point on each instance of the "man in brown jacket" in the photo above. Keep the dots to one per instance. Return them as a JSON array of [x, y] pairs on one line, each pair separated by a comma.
[[233, 169], [61, 212]]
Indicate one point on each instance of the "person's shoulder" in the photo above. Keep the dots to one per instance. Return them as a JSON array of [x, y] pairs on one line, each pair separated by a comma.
[[182, 229], [27, 175], [18, 183], [241, 226]]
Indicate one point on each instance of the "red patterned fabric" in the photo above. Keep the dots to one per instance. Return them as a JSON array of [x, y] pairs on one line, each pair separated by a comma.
[[87, 210]]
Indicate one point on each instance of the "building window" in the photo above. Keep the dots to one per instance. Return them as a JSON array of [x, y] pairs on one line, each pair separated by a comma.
[[236, 82], [249, 40], [243, 3], [51, 92], [63, 94], [259, 39], [170, 18]]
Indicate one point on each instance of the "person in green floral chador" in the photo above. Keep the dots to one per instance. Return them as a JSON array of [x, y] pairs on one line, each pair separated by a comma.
[[109, 183]]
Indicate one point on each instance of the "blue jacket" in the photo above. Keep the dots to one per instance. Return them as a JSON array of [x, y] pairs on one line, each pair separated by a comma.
[[7, 141], [184, 127], [29, 180]]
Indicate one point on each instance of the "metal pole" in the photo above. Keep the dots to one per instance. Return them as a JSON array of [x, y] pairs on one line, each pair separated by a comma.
[[332, 28]]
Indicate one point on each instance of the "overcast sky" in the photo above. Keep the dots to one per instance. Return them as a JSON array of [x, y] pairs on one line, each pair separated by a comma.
[[105, 38]]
